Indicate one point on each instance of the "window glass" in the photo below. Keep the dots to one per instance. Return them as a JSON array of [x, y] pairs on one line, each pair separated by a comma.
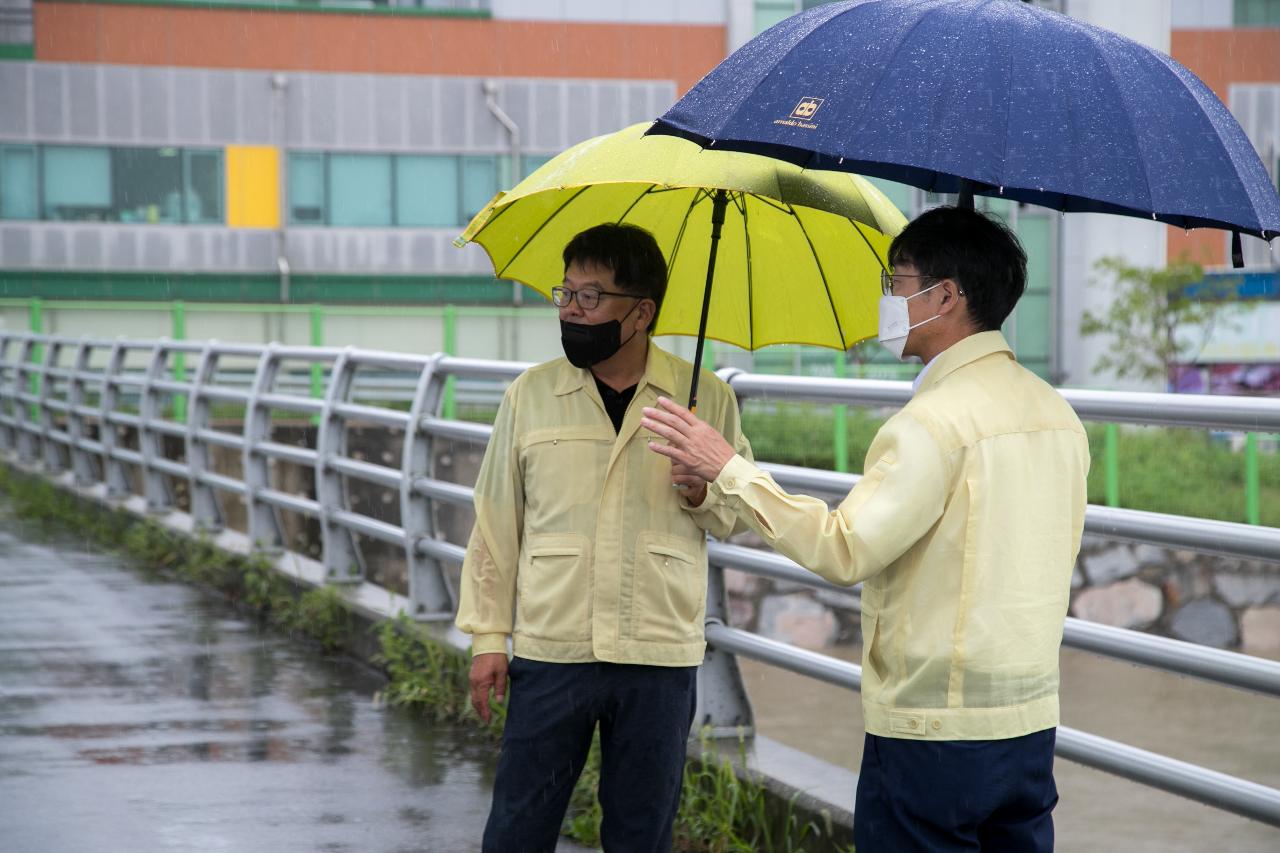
[[18, 182], [902, 196], [427, 191], [770, 12], [1257, 13], [359, 189], [479, 185], [306, 189], [202, 186], [77, 183], [530, 163], [146, 184]]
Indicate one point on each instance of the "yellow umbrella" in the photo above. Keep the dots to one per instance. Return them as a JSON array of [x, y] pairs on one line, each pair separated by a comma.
[[797, 260]]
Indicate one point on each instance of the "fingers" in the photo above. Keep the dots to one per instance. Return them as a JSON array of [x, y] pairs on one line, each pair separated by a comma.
[[480, 699], [678, 410]]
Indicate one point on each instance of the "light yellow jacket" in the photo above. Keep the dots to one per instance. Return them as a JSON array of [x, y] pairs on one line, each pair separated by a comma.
[[582, 550], [964, 529]]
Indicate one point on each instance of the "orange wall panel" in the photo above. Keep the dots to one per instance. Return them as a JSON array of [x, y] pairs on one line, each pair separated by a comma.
[[1223, 57], [1220, 58], [294, 41]]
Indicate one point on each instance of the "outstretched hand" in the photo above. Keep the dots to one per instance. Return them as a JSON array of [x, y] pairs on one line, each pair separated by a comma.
[[695, 446]]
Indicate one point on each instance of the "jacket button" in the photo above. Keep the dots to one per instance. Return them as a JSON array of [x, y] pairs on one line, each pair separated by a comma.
[[914, 724], [937, 724], [731, 482]]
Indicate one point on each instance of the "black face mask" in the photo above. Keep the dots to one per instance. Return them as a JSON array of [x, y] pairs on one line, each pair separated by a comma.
[[586, 344]]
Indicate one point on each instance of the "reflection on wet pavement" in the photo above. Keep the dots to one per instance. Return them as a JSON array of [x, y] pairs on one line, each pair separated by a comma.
[[142, 715]]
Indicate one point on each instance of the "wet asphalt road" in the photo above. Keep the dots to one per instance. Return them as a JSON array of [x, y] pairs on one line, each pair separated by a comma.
[[139, 715]]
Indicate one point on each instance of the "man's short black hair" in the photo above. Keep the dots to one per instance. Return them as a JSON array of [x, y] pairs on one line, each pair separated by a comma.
[[980, 253], [630, 253]]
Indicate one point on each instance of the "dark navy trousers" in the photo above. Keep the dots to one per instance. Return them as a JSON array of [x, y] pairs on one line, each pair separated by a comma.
[[994, 796], [644, 714]]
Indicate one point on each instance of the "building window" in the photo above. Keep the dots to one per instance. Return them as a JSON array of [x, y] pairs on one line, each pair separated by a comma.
[[360, 190], [202, 186], [18, 197], [427, 191], [76, 184], [380, 190], [146, 185], [90, 184], [306, 189], [1257, 13]]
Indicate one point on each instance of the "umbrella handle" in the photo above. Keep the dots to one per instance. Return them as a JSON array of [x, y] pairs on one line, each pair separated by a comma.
[[719, 203]]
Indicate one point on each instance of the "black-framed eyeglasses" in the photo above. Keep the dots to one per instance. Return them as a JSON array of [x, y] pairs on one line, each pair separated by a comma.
[[886, 280], [588, 297]]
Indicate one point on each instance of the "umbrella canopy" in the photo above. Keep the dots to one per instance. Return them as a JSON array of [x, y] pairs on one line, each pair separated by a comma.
[[799, 256], [1017, 101]]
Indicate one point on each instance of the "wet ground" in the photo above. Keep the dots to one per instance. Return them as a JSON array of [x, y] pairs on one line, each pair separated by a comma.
[[143, 716], [1228, 730]]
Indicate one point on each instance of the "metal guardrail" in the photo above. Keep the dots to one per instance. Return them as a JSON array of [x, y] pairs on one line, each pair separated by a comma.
[[47, 417]]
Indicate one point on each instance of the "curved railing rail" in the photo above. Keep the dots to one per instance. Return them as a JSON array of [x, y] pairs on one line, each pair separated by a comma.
[[56, 393]]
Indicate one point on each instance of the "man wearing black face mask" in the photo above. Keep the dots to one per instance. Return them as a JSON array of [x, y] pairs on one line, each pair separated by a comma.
[[586, 559]]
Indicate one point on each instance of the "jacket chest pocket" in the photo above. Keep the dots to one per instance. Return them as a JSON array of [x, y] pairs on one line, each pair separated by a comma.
[[553, 588], [562, 469], [670, 591]]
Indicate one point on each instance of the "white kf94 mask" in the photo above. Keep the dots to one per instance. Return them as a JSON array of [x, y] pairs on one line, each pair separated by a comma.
[[895, 322]]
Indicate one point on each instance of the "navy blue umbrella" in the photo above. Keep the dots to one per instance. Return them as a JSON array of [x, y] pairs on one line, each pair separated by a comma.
[[986, 96]]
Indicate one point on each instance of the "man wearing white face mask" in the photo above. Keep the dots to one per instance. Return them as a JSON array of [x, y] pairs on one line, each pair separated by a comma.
[[964, 529]]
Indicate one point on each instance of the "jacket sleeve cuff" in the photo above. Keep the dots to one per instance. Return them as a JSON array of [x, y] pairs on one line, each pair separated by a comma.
[[733, 477], [484, 644]]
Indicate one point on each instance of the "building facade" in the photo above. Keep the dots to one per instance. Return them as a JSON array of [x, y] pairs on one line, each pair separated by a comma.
[[317, 151]]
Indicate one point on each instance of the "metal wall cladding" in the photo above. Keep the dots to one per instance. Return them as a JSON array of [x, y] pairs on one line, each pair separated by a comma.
[[117, 105]]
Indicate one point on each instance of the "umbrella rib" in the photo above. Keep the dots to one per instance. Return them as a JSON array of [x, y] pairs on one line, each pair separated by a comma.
[[570, 200], [633, 204], [675, 247], [826, 287]]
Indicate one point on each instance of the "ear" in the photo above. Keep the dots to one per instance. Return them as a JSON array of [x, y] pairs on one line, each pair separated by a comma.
[[949, 296], [645, 312]]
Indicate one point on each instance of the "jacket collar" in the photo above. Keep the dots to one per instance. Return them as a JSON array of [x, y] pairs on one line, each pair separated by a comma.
[[963, 352], [659, 372]]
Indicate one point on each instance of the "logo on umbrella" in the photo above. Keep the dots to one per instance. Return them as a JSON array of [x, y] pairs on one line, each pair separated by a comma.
[[801, 115]]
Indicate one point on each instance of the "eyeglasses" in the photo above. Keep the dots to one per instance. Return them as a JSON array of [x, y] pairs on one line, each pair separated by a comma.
[[886, 280], [588, 298]]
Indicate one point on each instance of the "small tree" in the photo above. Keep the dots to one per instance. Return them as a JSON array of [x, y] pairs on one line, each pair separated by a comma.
[[1155, 320]]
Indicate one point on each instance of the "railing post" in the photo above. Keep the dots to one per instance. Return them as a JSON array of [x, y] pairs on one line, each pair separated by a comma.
[[343, 560], [81, 460], [50, 452], [840, 421], [428, 590], [722, 702], [205, 510], [10, 383], [263, 520], [179, 333], [448, 408], [28, 414], [35, 324], [155, 485], [1252, 509], [113, 472], [1111, 463]]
